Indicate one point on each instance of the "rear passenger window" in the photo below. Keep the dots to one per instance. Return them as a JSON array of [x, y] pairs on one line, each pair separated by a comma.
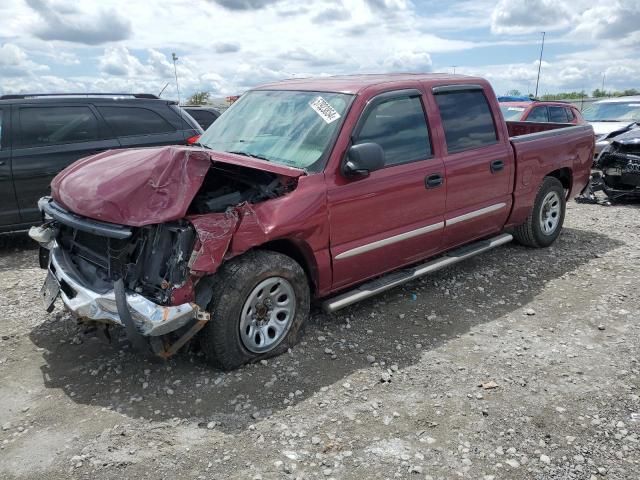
[[400, 128], [570, 115], [466, 119], [558, 115], [538, 114], [127, 121], [57, 125]]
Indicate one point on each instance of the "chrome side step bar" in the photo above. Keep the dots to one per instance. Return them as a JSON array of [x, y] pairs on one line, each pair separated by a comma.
[[393, 279]]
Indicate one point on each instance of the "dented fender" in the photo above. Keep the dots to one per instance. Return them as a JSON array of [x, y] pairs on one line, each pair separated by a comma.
[[300, 218]]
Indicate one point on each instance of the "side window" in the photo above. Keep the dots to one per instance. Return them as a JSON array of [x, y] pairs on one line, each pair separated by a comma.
[[466, 119], [0, 129], [538, 114], [41, 126], [558, 115], [127, 121], [570, 115], [399, 127]]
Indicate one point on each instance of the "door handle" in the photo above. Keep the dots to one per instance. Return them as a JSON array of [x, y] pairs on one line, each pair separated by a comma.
[[433, 181], [497, 165], [1, 162]]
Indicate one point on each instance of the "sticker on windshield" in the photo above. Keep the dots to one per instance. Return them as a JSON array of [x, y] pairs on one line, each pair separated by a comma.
[[325, 110]]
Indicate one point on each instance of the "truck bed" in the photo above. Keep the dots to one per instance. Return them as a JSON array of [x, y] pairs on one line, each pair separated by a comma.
[[517, 129], [542, 148]]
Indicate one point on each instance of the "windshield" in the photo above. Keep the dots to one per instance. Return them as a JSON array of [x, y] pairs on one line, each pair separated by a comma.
[[511, 113], [612, 112], [293, 128]]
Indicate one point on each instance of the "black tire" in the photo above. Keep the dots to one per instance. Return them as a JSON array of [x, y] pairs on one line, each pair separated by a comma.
[[530, 233], [235, 280]]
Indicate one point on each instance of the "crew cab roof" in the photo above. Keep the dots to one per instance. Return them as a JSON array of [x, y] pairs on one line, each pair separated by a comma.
[[353, 84]]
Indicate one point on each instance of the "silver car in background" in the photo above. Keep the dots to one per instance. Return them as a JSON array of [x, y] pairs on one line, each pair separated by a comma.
[[611, 117]]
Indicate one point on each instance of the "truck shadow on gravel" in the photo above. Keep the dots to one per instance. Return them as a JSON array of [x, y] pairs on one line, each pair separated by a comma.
[[14, 242], [395, 328]]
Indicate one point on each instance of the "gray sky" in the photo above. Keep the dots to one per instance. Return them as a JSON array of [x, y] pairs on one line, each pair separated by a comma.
[[227, 46]]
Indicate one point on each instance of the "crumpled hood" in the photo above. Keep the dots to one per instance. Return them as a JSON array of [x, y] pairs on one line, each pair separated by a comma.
[[137, 187], [605, 128]]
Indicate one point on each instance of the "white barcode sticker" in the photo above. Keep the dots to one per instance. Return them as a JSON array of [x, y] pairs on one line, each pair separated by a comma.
[[324, 109]]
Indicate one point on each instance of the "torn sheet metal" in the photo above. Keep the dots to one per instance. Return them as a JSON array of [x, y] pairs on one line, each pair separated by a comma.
[[216, 236], [214, 231]]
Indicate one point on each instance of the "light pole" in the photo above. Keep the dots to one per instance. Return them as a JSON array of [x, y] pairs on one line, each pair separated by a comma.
[[175, 72], [539, 65]]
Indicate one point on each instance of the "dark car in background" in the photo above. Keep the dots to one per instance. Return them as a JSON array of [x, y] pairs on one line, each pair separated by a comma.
[[205, 116], [40, 134]]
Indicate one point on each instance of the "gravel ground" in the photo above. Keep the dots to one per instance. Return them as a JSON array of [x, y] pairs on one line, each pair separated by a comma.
[[518, 364]]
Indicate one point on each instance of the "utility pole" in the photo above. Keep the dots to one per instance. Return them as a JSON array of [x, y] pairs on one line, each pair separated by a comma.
[[454, 68], [603, 75], [175, 72], [540, 64]]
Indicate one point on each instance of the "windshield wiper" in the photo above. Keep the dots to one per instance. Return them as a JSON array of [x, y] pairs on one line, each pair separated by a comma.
[[251, 155]]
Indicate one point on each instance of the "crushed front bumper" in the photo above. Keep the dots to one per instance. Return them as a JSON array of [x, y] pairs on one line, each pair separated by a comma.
[[150, 319]]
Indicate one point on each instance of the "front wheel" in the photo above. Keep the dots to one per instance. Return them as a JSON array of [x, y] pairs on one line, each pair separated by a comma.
[[258, 309], [545, 220]]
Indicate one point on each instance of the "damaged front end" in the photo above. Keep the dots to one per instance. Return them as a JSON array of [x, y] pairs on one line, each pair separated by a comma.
[[122, 259], [109, 274], [618, 169]]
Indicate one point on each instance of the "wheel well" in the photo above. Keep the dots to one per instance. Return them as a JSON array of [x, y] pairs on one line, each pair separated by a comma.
[[300, 254], [565, 176]]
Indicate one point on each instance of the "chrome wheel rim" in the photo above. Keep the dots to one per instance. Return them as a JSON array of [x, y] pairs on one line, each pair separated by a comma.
[[267, 315], [550, 213]]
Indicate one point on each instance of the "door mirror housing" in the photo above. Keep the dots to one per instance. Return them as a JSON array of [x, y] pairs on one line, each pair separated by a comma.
[[363, 159]]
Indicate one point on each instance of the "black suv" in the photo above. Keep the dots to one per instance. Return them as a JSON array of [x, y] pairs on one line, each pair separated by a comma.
[[42, 134]]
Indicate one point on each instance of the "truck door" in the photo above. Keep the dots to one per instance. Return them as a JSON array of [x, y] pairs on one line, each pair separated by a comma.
[[9, 212], [478, 163], [394, 216], [50, 138]]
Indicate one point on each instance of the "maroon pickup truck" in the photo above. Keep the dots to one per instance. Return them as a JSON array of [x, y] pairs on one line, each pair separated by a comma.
[[333, 189]]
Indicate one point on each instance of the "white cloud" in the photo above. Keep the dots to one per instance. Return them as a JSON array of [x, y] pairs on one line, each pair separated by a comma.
[[119, 61], [526, 16], [66, 22], [231, 45], [14, 62], [612, 20], [408, 61]]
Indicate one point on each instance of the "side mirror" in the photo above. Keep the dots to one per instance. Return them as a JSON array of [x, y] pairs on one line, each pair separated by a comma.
[[363, 159]]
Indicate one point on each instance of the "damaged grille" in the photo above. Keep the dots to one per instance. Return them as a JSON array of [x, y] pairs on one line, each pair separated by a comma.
[[620, 165], [152, 261]]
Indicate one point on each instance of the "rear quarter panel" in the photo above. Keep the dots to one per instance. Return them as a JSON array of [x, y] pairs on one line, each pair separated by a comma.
[[539, 154]]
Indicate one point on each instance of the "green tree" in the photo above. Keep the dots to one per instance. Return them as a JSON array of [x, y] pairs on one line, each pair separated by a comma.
[[198, 98]]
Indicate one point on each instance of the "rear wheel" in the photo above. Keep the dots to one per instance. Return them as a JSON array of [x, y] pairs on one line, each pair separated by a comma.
[[259, 306], [545, 220]]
